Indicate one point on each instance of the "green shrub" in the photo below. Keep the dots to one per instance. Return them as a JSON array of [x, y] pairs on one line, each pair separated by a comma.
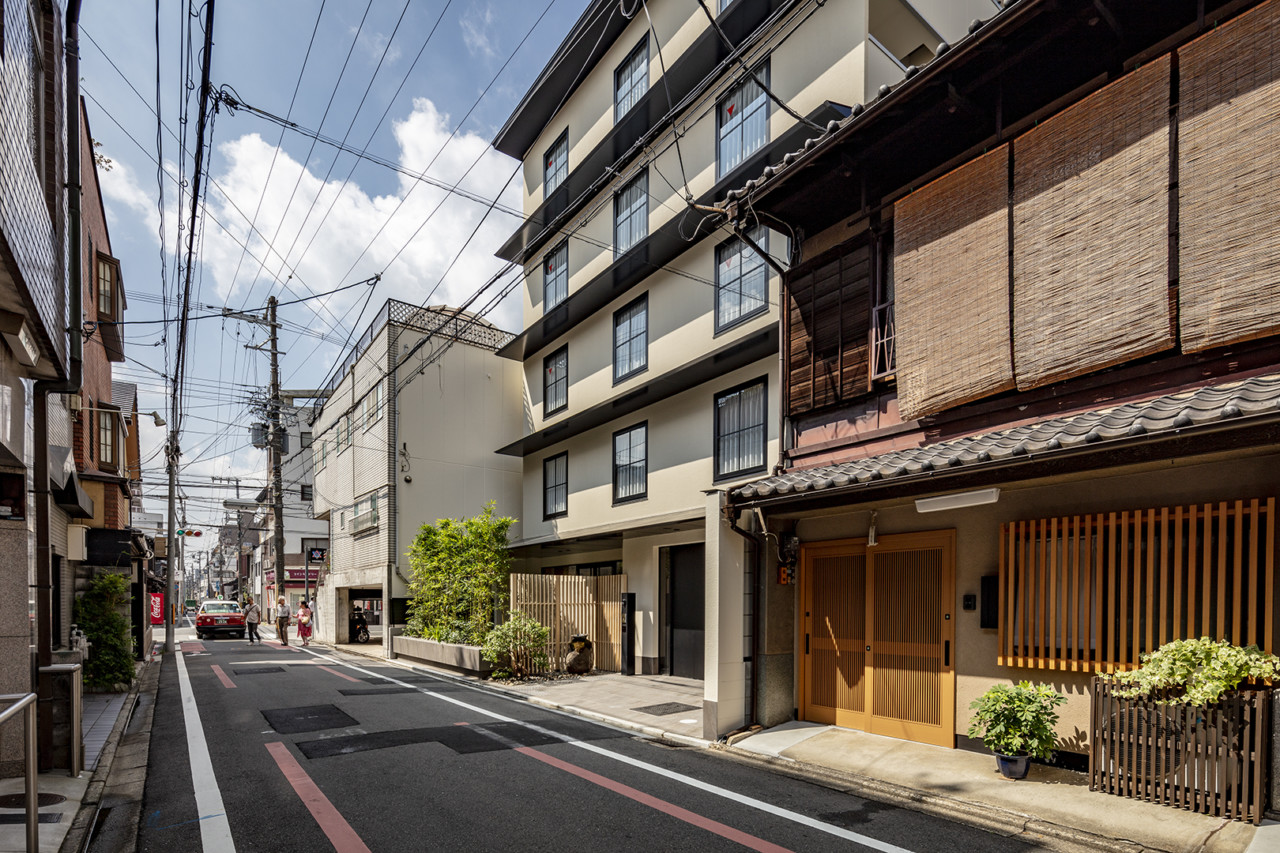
[[458, 578], [518, 647], [1017, 719], [97, 612], [1195, 671]]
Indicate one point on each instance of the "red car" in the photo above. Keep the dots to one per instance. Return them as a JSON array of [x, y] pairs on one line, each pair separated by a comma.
[[220, 617]]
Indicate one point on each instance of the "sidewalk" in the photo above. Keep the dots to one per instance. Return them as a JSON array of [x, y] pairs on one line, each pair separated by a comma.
[[1054, 808], [105, 716]]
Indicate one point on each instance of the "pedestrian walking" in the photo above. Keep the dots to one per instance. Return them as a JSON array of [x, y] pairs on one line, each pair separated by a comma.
[[283, 615], [252, 616], [304, 623]]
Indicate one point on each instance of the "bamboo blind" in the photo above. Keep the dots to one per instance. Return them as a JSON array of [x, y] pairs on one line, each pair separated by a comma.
[[1094, 592], [829, 311], [1090, 232], [570, 604], [951, 276], [1229, 182]]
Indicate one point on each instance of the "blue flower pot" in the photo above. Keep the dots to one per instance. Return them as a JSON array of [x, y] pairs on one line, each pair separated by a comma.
[[1013, 766]]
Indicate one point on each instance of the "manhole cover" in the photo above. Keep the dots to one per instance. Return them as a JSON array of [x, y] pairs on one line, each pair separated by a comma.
[[665, 708], [19, 801]]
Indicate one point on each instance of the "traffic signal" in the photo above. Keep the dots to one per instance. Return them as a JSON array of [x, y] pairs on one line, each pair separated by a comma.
[[189, 532]]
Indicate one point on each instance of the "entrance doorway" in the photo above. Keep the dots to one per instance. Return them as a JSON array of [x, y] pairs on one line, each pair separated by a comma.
[[688, 613], [878, 636]]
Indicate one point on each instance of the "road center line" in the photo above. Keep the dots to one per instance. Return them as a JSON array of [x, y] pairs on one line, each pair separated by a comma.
[[741, 799], [215, 830], [335, 827]]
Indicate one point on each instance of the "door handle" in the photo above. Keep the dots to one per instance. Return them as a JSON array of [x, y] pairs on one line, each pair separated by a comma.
[[946, 653]]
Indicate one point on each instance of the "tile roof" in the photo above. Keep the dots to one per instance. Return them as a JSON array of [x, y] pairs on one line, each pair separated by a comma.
[[124, 395], [1259, 395]]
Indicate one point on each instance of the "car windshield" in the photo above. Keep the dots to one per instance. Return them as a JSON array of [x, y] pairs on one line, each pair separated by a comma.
[[222, 607]]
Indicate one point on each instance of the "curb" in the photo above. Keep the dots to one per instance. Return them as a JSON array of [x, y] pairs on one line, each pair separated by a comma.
[[82, 824]]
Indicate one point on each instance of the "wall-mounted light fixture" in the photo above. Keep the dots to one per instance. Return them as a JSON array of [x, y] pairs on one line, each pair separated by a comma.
[[960, 500]]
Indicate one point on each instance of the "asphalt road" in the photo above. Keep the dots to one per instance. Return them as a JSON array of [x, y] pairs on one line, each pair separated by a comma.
[[283, 749]]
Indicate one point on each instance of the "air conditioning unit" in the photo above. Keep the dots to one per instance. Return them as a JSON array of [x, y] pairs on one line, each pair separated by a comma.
[[76, 536], [74, 402]]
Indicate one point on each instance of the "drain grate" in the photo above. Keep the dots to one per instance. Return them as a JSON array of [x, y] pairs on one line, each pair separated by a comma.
[[54, 817], [665, 708], [19, 801]]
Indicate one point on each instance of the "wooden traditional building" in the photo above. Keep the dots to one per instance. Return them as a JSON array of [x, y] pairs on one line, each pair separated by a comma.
[[1031, 368]]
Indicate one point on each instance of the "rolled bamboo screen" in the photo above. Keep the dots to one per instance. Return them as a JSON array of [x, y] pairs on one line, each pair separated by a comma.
[[1090, 232], [829, 311], [1229, 182], [1094, 592], [951, 275]]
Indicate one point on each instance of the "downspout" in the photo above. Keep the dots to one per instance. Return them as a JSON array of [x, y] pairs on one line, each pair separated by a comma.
[[393, 442], [43, 388], [758, 541]]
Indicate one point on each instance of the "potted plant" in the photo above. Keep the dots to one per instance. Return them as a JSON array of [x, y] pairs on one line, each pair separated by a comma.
[[1017, 722]]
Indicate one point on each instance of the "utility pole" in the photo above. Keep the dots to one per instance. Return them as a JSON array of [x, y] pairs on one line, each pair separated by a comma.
[[171, 456], [277, 450]]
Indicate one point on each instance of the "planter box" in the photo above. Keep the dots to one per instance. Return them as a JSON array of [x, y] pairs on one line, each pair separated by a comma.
[[1211, 760], [454, 656]]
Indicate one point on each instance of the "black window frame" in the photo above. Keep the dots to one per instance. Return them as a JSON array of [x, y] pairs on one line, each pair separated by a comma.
[[548, 383], [551, 167], [560, 276], [744, 249], [641, 300], [306, 492], [548, 486], [641, 178], [760, 72], [620, 112], [613, 448], [718, 475]]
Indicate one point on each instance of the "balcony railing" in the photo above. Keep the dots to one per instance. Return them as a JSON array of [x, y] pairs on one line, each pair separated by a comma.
[[364, 521]]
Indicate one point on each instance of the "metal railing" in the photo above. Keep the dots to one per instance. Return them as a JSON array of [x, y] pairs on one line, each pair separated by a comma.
[[27, 702]]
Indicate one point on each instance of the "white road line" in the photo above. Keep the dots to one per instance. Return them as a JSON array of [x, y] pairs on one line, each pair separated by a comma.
[[742, 799], [215, 830]]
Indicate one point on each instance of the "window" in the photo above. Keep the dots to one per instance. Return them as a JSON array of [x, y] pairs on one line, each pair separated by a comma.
[[88, 434], [305, 438], [366, 513], [631, 214], [318, 452], [107, 439], [557, 168], [631, 339], [743, 117], [108, 283], [555, 381], [555, 486], [555, 276], [631, 463], [740, 432], [631, 80], [742, 279], [883, 347], [306, 493]]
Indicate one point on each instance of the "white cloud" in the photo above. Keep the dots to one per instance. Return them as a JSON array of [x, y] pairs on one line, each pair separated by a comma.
[[477, 30], [374, 44]]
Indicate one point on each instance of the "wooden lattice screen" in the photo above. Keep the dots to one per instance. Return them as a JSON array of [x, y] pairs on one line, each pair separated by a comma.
[[1229, 182], [570, 604], [951, 276], [1094, 592], [1091, 232]]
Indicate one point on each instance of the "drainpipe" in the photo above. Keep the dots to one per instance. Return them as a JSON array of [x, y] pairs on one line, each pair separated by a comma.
[[393, 442], [43, 388], [758, 541]]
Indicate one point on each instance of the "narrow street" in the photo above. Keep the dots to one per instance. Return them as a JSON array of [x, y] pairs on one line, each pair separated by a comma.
[[273, 748]]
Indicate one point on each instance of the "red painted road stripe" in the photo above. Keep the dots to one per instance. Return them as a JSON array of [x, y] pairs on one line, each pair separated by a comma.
[[192, 646], [335, 827], [340, 674], [223, 677], [675, 811]]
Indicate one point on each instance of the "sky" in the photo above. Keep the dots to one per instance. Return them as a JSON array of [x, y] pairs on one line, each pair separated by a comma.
[[422, 84]]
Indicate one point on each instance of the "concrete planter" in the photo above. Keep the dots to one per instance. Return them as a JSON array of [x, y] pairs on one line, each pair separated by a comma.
[[454, 656]]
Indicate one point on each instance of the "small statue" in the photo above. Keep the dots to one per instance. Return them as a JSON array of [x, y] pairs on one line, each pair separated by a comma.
[[581, 659]]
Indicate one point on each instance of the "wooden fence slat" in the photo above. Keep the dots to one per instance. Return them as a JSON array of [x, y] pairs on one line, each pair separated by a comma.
[[1206, 572], [1254, 635], [1237, 594], [1221, 569], [1179, 626], [1270, 574]]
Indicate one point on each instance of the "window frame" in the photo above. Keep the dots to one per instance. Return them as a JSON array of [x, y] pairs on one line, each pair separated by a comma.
[[742, 251], [761, 71], [718, 474], [548, 383], [112, 266], [632, 213], [643, 494], [306, 492], [107, 455], [548, 486], [641, 301], [560, 276], [552, 168], [623, 103]]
